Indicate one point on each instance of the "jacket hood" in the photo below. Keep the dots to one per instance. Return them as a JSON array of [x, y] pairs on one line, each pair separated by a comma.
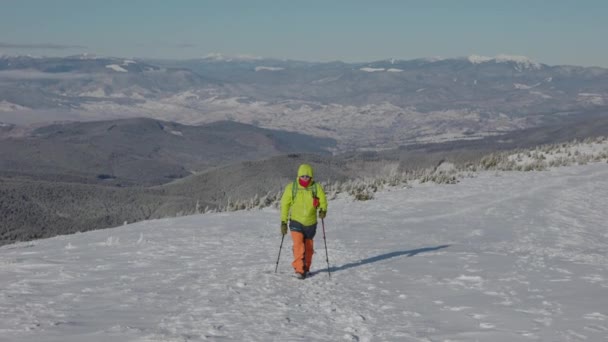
[[305, 170]]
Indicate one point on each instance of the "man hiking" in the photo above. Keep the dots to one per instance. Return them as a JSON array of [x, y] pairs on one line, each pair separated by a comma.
[[299, 204]]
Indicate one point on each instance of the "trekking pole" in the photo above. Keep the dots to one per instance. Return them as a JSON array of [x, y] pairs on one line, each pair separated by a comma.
[[326, 254], [277, 267]]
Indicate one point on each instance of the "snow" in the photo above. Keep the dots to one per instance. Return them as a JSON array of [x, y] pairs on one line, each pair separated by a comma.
[[525, 86], [541, 94], [170, 131], [215, 56], [87, 55], [591, 98], [433, 59], [521, 86], [386, 125], [503, 256], [517, 59], [476, 59], [367, 69], [595, 150], [265, 68], [99, 92], [326, 80], [522, 62], [219, 57], [185, 96], [116, 67], [6, 106]]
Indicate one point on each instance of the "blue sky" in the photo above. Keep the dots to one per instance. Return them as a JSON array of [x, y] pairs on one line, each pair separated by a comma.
[[551, 32]]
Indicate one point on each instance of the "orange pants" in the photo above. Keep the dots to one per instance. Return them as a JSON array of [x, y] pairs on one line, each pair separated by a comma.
[[302, 252]]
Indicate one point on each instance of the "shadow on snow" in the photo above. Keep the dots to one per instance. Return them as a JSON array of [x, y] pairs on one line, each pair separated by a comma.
[[385, 256]]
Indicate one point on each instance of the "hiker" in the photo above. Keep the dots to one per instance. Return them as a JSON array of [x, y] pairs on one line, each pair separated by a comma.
[[299, 204]]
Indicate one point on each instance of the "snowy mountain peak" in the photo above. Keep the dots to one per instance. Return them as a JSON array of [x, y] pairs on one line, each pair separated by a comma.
[[87, 55], [433, 59], [476, 59], [521, 61], [218, 57]]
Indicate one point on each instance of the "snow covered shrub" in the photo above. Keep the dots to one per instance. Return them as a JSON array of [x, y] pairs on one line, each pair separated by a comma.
[[559, 161], [439, 177], [362, 194], [535, 166], [444, 178], [268, 200], [489, 162]]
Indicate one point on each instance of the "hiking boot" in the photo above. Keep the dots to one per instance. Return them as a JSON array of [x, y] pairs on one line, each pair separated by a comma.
[[301, 275]]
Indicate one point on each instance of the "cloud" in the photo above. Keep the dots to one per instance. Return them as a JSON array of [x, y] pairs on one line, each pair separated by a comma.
[[40, 46]]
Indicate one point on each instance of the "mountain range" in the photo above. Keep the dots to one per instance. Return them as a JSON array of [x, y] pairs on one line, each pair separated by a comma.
[[362, 106], [92, 142]]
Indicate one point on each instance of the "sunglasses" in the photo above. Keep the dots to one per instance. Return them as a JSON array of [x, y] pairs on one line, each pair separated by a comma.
[[305, 177]]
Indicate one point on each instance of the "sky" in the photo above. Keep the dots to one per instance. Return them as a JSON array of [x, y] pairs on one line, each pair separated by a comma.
[[548, 31], [502, 256]]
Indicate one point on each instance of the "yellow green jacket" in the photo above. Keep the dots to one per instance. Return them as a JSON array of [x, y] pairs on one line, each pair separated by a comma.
[[300, 208]]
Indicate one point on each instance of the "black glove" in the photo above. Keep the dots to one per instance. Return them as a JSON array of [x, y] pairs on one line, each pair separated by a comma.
[[283, 228], [322, 214]]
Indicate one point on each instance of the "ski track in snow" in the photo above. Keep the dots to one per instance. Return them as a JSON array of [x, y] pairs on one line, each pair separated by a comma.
[[508, 256]]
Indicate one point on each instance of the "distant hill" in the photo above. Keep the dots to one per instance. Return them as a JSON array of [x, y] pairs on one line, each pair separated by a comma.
[[142, 151]]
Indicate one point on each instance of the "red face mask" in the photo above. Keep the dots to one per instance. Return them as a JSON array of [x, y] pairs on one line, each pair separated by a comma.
[[304, 182]]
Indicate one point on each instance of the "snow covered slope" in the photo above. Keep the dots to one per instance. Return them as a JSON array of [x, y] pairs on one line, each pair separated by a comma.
[[510, 256]]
